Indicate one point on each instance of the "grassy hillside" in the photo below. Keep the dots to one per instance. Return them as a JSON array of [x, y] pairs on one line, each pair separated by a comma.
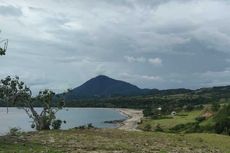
[[210, 119], [169, 122], [113, 140]]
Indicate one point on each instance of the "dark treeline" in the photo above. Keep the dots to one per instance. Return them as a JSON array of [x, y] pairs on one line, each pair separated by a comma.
[[172, 98], [138, 102]]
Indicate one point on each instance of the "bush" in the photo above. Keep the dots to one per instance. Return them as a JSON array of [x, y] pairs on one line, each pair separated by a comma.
[[153, 113], [178, 128], [188, 127], [223, 126], [158, 128], [199, 107], [200, 118], [56, 124], [215, 107], [222, 120], [90, 126], [14, 131], [80, 127], [147, 112], [87, 126], [182, 114], [194, 128], [189, 107], [147, 127]]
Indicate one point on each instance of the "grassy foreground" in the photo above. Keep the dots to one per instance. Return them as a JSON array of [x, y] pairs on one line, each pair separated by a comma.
[[114, 141]]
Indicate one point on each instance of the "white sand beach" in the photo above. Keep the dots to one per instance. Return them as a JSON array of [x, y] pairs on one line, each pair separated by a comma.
[[134, 117]]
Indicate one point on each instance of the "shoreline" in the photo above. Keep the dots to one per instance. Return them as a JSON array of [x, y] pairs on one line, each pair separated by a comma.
[[134, 117]]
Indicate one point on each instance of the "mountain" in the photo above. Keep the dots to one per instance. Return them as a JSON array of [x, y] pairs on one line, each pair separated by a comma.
[[103, 86]]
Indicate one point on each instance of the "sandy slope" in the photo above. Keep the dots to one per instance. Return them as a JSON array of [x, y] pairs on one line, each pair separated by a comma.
[[134, 117]]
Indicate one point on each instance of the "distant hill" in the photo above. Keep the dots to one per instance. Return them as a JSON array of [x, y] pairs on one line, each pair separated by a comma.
[[103, 86]]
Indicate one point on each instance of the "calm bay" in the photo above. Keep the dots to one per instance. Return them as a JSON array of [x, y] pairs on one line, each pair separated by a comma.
[[74, 117]]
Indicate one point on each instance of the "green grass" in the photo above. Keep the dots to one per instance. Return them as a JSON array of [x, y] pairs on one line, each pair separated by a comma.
[[9, 144], [166, 124], [114, 140], [217, 141]]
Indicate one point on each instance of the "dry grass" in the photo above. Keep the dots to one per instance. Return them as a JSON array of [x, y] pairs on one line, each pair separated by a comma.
[[114, 141]]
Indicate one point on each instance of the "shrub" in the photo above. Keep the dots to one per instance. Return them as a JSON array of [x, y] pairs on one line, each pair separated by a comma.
[[178, 128], [80, 127], [87, 126], [195, 127], [189, 107], [147, 112], [223, 126], [222, 120], [215, 107], [90, 126], [14, 131], [199, 107], [147, 127], [200, 118], [182, 114], [56, 124], [158, 128], [188, 127]]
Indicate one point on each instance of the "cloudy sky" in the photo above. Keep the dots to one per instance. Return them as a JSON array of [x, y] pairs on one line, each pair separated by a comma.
[[59, 44]]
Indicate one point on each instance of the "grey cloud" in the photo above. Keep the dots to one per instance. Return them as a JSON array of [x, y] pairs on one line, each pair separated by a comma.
[[10, 11], [60, 44], [179, 27]]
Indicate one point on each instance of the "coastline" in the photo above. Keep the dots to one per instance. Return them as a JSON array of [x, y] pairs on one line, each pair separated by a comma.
[[134, 117]]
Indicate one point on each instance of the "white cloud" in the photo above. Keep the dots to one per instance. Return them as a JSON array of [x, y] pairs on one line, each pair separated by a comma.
[[74, 25], [155, 61], [135, 59], [154, 78], [142, 77]]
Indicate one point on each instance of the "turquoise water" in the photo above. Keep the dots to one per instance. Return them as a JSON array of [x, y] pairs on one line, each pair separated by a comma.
[[73, 116]]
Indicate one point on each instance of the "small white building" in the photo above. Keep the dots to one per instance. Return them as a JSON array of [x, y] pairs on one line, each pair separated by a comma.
[[173, 113]]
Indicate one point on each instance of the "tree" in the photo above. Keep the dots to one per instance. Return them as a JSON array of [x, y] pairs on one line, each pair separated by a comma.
[[4, 48], [3, 52], [222, 120], [17, 93], [215, 107]]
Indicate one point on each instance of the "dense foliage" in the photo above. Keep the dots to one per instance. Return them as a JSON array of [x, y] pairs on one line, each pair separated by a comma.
[[142, 102], [223, 120]]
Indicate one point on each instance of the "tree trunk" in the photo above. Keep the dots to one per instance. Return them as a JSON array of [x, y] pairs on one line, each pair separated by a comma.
[[42, 124]]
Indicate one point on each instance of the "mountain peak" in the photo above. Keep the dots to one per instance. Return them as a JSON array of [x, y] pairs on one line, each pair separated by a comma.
[[103, 86], [102, 77]]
